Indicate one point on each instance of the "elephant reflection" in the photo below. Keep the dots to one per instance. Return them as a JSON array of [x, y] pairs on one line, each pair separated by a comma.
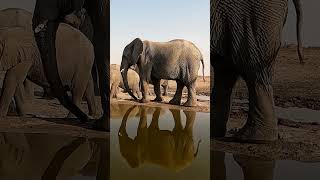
[[252, 167], [169, 149], [34, 156]]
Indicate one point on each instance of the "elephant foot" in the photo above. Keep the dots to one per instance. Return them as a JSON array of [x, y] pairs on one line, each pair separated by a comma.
[[174, 101], [143, 100], [256, 134], [190, 103], [158, 99]]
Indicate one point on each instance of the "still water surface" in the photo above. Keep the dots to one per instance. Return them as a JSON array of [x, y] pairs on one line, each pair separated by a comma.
[[156, 143]]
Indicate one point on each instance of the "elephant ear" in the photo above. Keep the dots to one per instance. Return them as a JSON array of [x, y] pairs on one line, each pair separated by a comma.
[[136, 50]]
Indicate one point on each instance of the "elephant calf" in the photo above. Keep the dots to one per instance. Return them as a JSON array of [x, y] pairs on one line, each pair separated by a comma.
[[116, 81], [19, 56]]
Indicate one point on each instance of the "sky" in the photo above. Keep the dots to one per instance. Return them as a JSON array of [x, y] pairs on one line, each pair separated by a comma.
[[163, 20]]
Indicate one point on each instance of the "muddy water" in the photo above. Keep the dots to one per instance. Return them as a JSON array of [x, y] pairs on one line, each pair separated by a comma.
[[225, 166], [298, 114], [43, 156], [154, 143]]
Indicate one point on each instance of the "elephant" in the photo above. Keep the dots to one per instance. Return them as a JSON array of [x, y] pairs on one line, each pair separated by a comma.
[[46, 18], [168, 149], [12, 17], [164, 83], [245, 40], [116, 81], [20, 58], [47, 156], [173, 60]]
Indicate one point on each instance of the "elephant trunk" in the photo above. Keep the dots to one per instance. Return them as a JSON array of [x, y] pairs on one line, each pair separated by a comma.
[[196, 153], [124, 74], [297, 4], [204, 79]]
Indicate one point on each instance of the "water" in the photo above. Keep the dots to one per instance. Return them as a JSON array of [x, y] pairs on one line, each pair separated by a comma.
[[44, 156], [298, 114], [225, 166], [154, 143]]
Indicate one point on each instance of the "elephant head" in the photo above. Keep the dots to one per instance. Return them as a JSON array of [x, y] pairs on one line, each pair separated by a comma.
[[132, 53], [176, 147], [297, 4]]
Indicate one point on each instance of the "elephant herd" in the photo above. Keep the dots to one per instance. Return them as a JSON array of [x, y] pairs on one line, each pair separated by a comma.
[[20, 57]]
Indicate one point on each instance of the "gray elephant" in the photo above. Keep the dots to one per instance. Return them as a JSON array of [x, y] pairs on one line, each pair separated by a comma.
[[245, 40], [116, 81], [20, 58], [174, 60], [164, 83], [169, 149]]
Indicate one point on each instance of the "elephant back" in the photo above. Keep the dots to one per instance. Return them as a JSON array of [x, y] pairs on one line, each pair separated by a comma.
[[13, 17], [17, 45]]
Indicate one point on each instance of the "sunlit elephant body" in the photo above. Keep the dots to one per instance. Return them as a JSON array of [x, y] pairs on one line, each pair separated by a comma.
[[245, 40], [169, 149], [20, 58], [116, 81], [177, 60]]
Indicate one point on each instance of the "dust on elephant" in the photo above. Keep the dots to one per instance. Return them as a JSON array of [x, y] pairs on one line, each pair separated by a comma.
[[173, 60], [245, 40], [20, 58], [169, 149], [116, 81]]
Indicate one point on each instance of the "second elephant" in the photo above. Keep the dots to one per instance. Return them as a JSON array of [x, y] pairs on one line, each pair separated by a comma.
[[20, 58]]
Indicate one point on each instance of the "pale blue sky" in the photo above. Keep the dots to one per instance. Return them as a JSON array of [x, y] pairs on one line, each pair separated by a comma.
[[160, 20]]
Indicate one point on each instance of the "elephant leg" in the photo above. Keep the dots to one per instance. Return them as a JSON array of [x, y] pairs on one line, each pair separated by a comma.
[[90, 97], [143, 122], [177, 96], [29, 88], [190, 116], [165, 90], [156, 86], [95, 78], [20, 100], [192, 96], [177, 120], [145, 91], [78, 91], [225, 78], [154, 125], [113, 91], [253, 168], [261, 123], [13, 78]]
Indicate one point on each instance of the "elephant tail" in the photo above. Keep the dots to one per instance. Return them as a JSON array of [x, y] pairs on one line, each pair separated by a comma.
[[196, 153], [204, 80]]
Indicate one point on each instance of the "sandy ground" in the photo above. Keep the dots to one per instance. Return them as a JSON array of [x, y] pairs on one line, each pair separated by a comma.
[[294, 86]]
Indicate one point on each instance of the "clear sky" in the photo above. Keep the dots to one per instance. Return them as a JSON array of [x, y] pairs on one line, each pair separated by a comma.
[[160, 20]]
